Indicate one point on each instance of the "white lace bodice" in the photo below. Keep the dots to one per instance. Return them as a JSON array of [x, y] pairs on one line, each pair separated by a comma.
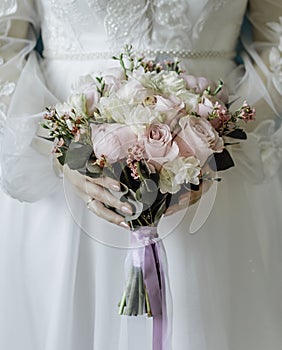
[[84, 26]]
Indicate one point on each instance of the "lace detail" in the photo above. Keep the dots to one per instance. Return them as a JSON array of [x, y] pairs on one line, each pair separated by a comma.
[[8, 7], [167, 24], [275, 56], [270, 145], [58, 28], [71, 26], [6, 89], [202, 20], [67, 22], [125, 18], [135, 21]]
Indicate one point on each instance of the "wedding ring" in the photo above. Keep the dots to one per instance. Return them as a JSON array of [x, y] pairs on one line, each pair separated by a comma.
[[90, 200]]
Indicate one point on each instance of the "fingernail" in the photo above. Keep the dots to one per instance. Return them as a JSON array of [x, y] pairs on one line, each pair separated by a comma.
[[168, 212], [183, 201], [115, 187], [126, 210], [124, 225]]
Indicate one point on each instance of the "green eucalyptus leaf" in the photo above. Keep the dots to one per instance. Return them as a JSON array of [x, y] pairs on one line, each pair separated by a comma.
[[148, 193], [161, 209], [78, 155], [149, 185], [139, 194], [93, 168]]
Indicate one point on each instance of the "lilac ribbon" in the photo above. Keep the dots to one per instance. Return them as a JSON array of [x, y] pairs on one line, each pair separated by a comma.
[[147, 256]]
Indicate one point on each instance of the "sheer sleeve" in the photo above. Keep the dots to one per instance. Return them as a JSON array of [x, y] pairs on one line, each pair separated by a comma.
[[262, 85], [266, 50], [26, 168]]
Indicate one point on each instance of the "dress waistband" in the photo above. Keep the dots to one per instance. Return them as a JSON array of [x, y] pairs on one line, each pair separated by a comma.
[[103, 55]]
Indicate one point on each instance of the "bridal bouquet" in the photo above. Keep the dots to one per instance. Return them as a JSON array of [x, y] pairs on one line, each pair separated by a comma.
[[157, 130]]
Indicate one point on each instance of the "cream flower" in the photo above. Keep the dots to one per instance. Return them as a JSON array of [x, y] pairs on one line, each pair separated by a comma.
[[177, 172]]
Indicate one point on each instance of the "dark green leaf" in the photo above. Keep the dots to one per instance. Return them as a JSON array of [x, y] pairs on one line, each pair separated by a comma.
[[237, 134], [220, 161]]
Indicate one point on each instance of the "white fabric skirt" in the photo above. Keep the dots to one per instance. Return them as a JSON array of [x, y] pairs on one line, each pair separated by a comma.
[[62, 268]]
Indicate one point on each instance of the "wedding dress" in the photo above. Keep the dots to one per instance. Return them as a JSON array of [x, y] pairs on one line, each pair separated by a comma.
[[61, 266]]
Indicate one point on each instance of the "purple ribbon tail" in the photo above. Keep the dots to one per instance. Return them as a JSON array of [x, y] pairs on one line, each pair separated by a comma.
[[155, 284], [151, 257]]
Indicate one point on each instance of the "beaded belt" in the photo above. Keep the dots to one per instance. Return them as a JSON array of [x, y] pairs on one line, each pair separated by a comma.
[[103, 55]]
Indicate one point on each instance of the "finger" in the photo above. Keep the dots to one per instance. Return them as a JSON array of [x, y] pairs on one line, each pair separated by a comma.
[[171, 210], [185, 200], [100, 210], [106, 182], [104, 196]]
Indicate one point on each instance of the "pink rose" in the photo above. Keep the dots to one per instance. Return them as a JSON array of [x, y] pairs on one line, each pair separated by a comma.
[[197, 137], [112, 78], [204, 108], [200, 84], [112, 141], [158, 144], [223, 95]]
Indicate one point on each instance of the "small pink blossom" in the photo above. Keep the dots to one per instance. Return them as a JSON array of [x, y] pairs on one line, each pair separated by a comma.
[[220, 116], [197, 84], [57, 144], [247, 113], [200, 84]]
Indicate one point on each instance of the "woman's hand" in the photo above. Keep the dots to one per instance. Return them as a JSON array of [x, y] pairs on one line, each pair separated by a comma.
[[185, 200], [189, 198], [96, 195]]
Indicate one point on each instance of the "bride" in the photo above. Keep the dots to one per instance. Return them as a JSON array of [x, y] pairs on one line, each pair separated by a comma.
[[62, 264]]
